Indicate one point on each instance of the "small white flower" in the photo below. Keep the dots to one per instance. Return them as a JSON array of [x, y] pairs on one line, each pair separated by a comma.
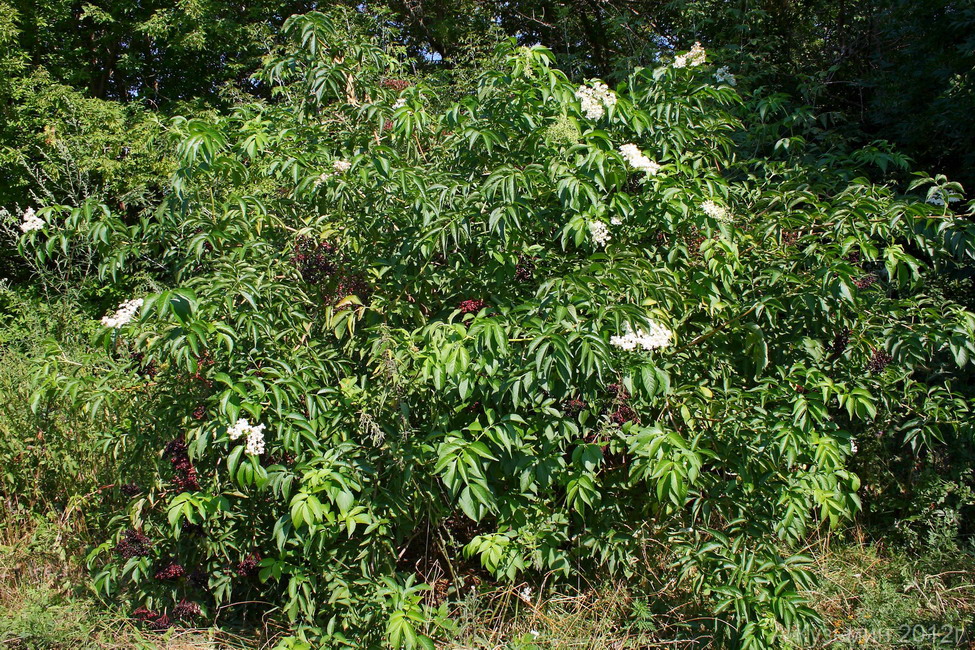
[[399, 103], [254, 441], [239, 428], [533, 632], [526, 594], [694, 58], [595, 99], [638, 160], [341, 166], [125, 313], [853, 446], [656, 337], [723, 76], [715, 211], [599, 232], [616, 221], [31, 221]]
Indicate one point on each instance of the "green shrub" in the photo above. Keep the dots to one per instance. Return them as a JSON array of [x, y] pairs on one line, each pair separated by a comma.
[[525, 334]]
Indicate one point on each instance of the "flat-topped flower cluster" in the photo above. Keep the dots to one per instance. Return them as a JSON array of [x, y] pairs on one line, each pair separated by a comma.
[[595, 99], [656, 336], [599, 232], [694, 58], [254, 442], [715, 211], [31, 221], [125, 313], [638, 160]]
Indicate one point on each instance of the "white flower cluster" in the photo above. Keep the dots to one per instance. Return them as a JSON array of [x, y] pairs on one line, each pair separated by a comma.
[[654, 338], [595, 99], [723, 76], [125, 313], [853, 446], [254, 444], [599, 232], [638, 160], [338, 167], [694, 58], [31, 221], [715, 211], [937, 197], [399, 103]]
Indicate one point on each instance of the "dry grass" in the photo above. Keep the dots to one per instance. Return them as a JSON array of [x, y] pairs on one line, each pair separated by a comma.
[[608, 616]]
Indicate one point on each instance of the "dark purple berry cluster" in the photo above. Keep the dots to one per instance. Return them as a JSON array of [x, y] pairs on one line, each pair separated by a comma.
[[185, 478], [152, 619], [160, 624], [840, 341], [471, 306], [624, 414], [525, 270], [352, 284], [880, 360], [284, 458], [203, 362], [249, 565], [199, 412], [315, 261], [199, 579], [130, 489], [186, 610], [866, 281], [172, 571], [148, 370], [133, 544], [694, 239], [573, 407]]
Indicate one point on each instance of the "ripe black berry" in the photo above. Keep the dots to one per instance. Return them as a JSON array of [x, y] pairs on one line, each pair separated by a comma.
[[248, 566], [624, 414], [133, 544], [525, 270], [573, 407], [173, 571], [840, 341], [186, 610], [880, 360], [314, 261], [471, 306], [865, 281]]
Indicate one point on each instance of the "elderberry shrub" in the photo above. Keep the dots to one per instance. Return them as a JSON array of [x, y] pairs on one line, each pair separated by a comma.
[[361, 399]]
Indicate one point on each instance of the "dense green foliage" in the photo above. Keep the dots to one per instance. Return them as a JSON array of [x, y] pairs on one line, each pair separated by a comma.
[[416, 298], [423, 308]]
